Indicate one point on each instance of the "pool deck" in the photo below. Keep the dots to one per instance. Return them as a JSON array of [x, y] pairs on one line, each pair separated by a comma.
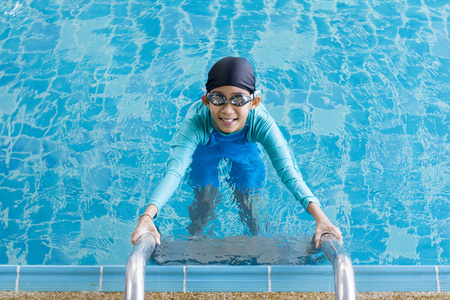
[[212, 296]]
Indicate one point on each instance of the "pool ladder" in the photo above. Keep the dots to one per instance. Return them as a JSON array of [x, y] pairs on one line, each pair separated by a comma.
[[135, 272], [344, 276]]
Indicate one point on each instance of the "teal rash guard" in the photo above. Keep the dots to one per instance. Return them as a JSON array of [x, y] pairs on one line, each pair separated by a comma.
[[196, 130]]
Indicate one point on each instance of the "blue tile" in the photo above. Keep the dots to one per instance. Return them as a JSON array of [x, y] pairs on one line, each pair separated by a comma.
[[395, 279], [444, 278], [227, 279], [157, 278], [302, 278], [164, 278], [59, 278], [8, 276], [224, 278], [113, 279]]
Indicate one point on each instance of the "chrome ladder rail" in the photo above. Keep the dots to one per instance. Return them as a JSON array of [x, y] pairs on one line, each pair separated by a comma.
[[135, 272], [344, 275]]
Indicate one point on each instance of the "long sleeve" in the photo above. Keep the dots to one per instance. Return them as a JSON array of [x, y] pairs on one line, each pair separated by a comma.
[[194, 130], [264, 130]]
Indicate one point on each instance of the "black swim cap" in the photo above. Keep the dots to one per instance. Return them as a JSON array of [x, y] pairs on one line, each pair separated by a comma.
[[235, 71]]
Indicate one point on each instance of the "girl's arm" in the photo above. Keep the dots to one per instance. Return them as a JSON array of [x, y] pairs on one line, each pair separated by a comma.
[[323, 225], [192, 131], [264, 130]]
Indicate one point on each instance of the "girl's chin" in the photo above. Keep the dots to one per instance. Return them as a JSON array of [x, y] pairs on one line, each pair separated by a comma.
[[228, 129]]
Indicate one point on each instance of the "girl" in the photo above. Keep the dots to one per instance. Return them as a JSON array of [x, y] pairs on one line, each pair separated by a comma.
[[226, 124]]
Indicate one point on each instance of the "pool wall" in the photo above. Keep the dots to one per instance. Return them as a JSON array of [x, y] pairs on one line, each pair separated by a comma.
[[192, 278]]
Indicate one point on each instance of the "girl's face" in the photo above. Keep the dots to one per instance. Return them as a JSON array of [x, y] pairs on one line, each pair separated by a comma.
[[229, 118]]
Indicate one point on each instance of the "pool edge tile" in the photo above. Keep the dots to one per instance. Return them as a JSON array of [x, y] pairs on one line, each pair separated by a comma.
[[227, 279], [194, 278], [57, 278], [164, 278], [401, 278], [113, 278], [444, 278], [8, 277], [302, 278]]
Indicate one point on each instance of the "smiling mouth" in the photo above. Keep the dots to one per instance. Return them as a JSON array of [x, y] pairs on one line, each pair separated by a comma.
[[228, 121]]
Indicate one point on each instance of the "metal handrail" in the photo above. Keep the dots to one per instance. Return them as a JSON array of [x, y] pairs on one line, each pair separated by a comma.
[[344, 275], [135, 272]]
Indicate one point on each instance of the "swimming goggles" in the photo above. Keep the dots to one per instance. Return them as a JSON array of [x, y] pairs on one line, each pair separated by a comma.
[[238, 100]]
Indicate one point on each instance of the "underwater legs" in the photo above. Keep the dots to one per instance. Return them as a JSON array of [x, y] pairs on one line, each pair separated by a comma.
[[201, 211]]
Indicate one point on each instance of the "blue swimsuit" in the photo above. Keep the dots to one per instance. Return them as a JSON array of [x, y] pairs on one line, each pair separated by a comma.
[[247, 169], [198, 139]]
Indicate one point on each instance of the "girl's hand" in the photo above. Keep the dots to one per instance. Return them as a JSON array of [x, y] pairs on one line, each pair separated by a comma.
[[323, 227], [146, 225]]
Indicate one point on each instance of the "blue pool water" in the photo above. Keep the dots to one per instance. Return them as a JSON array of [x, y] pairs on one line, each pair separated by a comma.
[[91, 93]]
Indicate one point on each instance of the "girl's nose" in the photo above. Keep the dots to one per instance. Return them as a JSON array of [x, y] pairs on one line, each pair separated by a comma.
[[228, 108]]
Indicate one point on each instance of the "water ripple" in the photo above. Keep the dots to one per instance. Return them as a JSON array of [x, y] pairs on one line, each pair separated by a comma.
[[92, 92]]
